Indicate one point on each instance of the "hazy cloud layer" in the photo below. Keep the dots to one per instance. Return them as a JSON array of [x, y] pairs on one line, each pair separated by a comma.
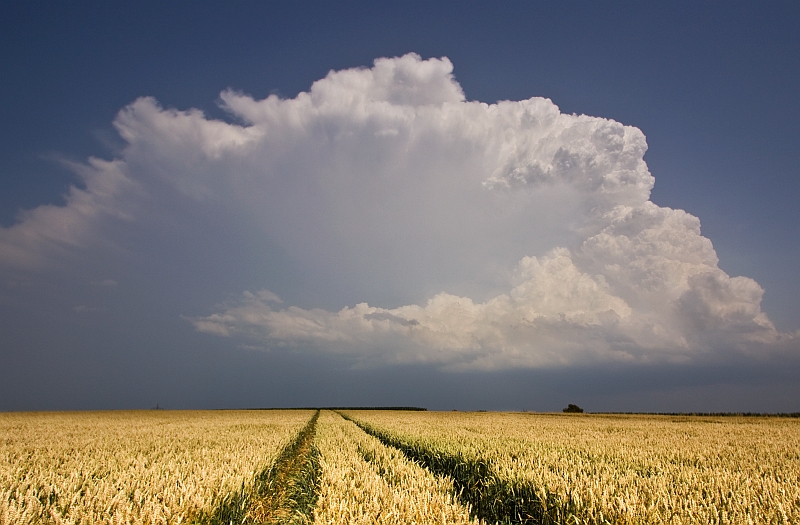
[[480, 236]]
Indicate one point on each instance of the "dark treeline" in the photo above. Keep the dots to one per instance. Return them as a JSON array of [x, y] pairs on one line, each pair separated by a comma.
[[706, 414], [415, 409]]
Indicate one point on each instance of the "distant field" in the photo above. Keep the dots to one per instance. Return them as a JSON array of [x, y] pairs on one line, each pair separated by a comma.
[[396, 467]]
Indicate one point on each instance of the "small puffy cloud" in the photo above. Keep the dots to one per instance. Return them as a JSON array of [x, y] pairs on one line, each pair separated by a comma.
[[467, 235]]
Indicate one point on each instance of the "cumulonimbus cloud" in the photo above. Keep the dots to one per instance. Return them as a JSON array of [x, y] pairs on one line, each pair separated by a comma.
[[535, 228]]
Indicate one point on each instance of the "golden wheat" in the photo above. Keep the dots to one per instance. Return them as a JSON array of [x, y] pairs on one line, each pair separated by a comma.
[[626, 469], [172, 467], [365, 482], [145, 467]]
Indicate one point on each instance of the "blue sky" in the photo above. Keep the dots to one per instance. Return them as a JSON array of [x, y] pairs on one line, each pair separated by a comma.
[[193, 278]]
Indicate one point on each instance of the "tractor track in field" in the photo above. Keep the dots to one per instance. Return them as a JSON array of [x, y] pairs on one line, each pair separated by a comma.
[[284, 493], [476, 485]]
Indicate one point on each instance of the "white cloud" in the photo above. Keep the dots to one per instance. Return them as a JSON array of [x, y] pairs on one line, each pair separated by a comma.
[[555, 315], [510, 234], [44, 233]]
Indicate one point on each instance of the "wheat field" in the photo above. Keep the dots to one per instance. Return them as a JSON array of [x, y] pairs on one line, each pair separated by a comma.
[[396, 467], [621, 469], [139, 467]]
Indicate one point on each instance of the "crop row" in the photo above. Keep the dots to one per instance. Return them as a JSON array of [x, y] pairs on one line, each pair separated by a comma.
[[365, 482], [285, 493]]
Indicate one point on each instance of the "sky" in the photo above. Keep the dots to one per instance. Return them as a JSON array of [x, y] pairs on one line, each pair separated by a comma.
[[453, 205]]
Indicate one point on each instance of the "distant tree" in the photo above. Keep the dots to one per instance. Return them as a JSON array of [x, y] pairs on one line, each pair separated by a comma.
[[573, 409]]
